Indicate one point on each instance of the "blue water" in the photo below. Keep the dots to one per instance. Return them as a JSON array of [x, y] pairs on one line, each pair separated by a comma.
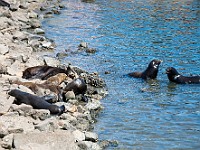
[[127, 35]]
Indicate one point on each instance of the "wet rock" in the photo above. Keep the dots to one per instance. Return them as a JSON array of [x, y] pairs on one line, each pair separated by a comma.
[[91, 50], [39, 31], [91, 136], [34, 23], [32, 15], [7, 141], [93, 105], [47, 45], [83, 45], [87, 145]]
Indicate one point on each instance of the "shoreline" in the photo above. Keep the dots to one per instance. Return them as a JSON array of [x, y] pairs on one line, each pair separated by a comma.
[[21, 126]]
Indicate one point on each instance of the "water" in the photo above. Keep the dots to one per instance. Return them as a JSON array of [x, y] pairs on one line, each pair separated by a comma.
[[128, 34]]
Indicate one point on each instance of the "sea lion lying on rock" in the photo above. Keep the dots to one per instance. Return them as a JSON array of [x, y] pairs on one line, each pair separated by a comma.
[[4, 3], [78, 86], [176, 77], [44, 72], [35, 101], [37, 88], [150, 73]]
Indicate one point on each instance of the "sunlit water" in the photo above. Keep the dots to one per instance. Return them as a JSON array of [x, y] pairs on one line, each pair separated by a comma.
[[128, 34]]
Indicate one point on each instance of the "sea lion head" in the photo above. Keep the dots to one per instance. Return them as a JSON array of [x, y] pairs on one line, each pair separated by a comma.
[[155, 63], [172, 73], [71, 73]]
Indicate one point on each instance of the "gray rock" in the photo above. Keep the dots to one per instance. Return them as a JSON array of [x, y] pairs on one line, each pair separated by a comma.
[[65, 125], [7, 141], [32, 15], [39, 31], [14, 6], [46, 44], [41, 114], [51, 61], [68, 117], [34, 23], [17, 124], [22, 109], [79, 136], [94, 105], [5, 102], [4, 49], [3, 130], [70, 95], [87, 145], [50, 124], [91, 136], [61, 140], [83, 45]]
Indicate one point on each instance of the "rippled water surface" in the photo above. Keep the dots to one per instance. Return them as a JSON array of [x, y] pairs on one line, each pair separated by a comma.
[[128, 34]]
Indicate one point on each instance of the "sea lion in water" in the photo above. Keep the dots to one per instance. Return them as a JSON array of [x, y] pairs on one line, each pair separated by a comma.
[[176, 77], [78, 86], [150, 73], [44, 72], [36, 101]]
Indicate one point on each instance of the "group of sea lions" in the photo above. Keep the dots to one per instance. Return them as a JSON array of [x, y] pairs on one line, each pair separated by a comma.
[[53, 77], [172, 74]]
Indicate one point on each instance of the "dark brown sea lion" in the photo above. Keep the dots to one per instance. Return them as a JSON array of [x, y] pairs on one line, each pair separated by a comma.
[[78, 86], [150, 73], [176, 77], [36, 101], [44, 72], [4, 3]]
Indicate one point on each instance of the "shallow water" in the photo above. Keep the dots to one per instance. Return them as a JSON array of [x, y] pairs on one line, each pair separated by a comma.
[[128, 34]]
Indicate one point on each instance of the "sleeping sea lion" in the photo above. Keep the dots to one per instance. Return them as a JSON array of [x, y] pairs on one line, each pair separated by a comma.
[[176, 77], [4, 3], [36, 101], [44, 72], [150, 73]]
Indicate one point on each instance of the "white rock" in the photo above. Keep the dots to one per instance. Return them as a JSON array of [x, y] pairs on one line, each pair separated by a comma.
[[3, 49], [79, 136]]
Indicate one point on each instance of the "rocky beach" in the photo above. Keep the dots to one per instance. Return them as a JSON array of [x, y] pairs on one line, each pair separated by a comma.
[[23, 44]]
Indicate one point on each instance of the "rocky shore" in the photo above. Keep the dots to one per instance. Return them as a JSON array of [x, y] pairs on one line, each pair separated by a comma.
[[22, 45]]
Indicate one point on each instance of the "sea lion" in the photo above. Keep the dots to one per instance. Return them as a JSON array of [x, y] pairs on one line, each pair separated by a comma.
[[4, 3], [78, 86], [36, 101], [150, 73], [176, 77], [57, 79], [44, 72], [36, 88]]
